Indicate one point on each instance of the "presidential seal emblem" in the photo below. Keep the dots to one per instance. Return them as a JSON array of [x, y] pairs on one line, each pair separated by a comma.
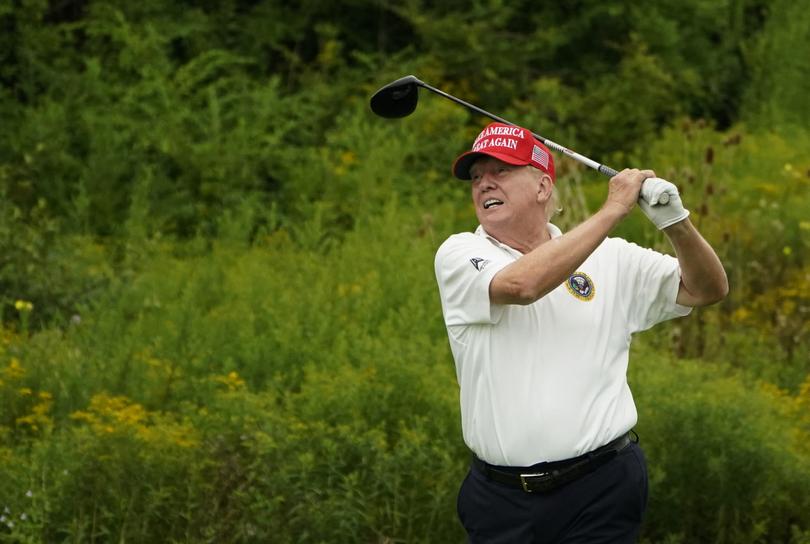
[[580, 285]]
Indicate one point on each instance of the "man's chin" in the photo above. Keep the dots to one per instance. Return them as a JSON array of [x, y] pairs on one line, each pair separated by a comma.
[[492, 214], [493, 222]]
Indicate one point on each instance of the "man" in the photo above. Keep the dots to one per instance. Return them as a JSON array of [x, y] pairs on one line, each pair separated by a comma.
[[539, 324]]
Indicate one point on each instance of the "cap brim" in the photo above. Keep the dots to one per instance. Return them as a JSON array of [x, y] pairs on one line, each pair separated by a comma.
[[461, 168]]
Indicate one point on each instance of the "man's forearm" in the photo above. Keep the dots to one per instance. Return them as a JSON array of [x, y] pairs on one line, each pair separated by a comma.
[[703, 278], [540, 271]]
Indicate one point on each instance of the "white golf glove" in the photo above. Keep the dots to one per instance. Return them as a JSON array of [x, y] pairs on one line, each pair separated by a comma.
[[663, 215]]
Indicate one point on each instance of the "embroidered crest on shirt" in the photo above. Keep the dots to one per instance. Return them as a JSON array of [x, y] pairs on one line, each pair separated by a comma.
[[580, 285], [479, 263]]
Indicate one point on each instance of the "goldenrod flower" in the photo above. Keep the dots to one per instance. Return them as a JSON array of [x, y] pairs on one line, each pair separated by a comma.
[[232, 380], [14, 370]]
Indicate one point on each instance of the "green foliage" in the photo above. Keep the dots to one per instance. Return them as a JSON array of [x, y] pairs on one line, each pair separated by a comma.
[[747, 194], [374, 450], [363, 409], [728, 459], [39, 266], [779, 60], [188, 145], [219, 316], [625, 69], [206, 105]]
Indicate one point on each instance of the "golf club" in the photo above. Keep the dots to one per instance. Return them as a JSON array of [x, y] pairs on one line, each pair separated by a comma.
[[399, 98]]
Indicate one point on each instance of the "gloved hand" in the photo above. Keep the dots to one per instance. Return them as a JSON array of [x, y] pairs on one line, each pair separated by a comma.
[[662, 215]]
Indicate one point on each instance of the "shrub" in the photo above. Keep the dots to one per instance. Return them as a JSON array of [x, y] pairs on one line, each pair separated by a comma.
[[728, 457]]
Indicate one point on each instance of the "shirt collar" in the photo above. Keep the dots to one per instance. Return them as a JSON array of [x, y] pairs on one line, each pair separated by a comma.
[[553, 230]]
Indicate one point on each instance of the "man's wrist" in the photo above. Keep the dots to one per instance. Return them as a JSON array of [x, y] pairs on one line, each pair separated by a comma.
[[680, 229], [614, 210]]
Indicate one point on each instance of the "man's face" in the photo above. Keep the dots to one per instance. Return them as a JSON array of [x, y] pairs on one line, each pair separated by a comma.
[[504, 194]]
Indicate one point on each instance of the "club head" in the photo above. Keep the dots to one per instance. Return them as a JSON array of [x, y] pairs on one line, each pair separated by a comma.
[[397, 99]]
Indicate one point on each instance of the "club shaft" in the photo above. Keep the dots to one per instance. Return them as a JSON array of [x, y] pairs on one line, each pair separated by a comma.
[[603, 169]]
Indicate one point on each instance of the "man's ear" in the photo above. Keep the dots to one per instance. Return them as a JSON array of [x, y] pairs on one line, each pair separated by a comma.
[[544, 187]]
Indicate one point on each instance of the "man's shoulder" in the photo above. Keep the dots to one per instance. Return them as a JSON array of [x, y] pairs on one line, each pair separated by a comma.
[[618, 244], [626, 249], [466, 246], [461, 239]]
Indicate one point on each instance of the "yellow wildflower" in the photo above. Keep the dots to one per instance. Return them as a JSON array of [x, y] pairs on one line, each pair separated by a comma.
[[348, 158], [231, 380], [6, 336], [81, 415], [108, 413], [23, 306], [741, 314], [164, 432], [14, 370], [39, 414]]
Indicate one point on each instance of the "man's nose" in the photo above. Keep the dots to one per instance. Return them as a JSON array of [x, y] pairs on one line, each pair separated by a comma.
[[486, 182]]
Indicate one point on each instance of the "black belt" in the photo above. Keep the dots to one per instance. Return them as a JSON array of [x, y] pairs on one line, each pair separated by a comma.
[[545, 477]]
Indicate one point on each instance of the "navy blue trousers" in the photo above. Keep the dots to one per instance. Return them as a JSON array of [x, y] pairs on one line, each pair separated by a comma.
[[604, 506]]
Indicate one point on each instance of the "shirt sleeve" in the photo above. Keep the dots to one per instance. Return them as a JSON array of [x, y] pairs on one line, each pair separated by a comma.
[[465, 265], [654, 282]]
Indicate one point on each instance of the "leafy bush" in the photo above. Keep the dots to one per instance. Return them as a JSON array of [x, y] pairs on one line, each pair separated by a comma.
[[781, 69], [373, 452], [728, 458], [49, 273]]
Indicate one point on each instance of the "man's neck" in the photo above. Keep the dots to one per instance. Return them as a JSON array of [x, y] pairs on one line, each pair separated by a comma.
[[524, 240]]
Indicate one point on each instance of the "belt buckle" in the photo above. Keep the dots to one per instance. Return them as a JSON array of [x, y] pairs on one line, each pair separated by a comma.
[[525, 484]]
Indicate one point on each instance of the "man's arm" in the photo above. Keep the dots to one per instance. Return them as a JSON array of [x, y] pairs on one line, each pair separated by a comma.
[[703, 278], [544, 268]]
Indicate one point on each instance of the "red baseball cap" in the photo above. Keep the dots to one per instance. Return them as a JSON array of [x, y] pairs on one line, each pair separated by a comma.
[[510, 144]]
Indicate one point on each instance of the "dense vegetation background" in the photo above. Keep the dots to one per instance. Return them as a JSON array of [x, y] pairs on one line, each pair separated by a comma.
[[219, 317]]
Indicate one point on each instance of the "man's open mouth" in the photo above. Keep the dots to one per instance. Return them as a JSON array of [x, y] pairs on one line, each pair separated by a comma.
[[492, 202]]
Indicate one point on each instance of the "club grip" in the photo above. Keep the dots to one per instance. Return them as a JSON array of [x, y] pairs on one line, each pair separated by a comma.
[[607, 170]]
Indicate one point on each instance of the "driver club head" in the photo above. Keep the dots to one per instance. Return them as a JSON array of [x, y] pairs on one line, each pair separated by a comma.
[[397, 99]]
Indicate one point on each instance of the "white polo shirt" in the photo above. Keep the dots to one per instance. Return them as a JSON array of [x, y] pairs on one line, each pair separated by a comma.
[[547, 381]]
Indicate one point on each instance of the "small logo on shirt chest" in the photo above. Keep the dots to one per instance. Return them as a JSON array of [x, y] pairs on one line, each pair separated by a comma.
[[479, 263], [580, 285]]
